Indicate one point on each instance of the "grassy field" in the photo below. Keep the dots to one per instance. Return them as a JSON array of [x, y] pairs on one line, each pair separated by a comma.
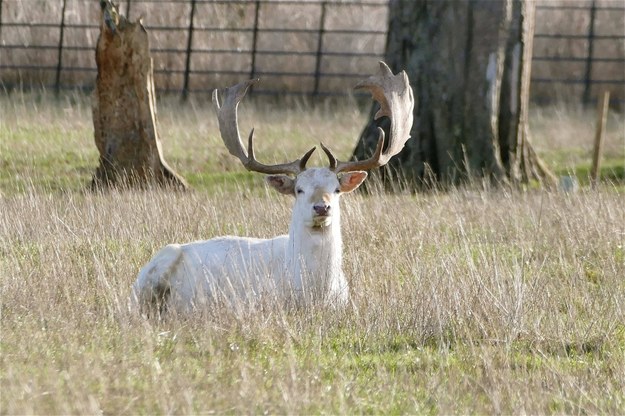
[[463, 302]]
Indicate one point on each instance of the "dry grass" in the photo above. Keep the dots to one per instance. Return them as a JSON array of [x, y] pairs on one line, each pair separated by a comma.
[[464, 302], [564, 137]]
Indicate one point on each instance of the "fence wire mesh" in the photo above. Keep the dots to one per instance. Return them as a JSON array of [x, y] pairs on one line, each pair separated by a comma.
[[309, 47]]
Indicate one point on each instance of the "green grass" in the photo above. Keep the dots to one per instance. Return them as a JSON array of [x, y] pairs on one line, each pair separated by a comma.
[[461, 302], [564, 137], [612, 171]]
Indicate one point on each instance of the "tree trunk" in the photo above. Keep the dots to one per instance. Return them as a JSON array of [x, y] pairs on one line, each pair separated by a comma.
[[124, 107], [469, 65]]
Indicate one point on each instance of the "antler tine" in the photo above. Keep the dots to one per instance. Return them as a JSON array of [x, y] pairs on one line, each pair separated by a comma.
[[394, 94], [229, 128]]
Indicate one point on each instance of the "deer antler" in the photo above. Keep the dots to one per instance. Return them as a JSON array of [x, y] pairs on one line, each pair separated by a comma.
[[394, 95], [229, 129]]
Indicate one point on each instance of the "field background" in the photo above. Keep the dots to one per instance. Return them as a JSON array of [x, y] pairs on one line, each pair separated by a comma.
[[472, 301]]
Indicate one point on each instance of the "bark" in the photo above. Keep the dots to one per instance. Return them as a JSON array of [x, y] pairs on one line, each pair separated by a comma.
[[124, 107], [469, 65], [521, 162]]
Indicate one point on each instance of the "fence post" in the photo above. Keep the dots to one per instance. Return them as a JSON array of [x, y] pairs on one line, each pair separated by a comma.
[[320, 48], [591, 37], [128, 9], [185, 87], [602, 116], [57, 82], [255, 40]]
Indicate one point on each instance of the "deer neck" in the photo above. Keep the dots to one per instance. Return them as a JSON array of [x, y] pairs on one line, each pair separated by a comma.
[[314, 257]]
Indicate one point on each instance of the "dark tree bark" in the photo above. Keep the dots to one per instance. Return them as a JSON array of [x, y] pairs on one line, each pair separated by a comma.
[[124, 107], [469, 65]]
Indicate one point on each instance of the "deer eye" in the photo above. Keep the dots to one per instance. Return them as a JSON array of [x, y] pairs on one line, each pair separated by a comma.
[[338, 191], [299, 191]]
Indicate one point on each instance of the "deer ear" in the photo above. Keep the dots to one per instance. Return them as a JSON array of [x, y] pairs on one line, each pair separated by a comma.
[[282, 183], [352, 180]]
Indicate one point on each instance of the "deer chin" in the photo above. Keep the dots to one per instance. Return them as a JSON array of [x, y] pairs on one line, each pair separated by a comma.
[[320, 223]]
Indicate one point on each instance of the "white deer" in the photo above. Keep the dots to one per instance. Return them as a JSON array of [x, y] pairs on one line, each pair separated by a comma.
[[306, 264]]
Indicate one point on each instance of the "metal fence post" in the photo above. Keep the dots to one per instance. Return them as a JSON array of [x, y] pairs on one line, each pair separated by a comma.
[[319, 56], [57, 82], [255, 40], [591, 36], [185, 87]]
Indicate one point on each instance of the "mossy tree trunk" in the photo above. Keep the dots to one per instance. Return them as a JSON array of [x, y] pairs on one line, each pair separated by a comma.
[[124, 107], [469, 65]]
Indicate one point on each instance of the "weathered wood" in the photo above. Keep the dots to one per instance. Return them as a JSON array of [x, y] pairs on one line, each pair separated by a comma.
[[602, 117], [124, 107]]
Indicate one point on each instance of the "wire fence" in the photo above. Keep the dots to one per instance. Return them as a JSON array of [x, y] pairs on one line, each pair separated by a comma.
[[301, 47], [579, 50], [310, 47]]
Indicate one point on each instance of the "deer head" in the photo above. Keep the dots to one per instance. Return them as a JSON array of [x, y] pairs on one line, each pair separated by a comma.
[[317, 190]]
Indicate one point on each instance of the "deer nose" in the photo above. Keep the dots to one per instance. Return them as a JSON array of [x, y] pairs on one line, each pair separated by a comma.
[[322, 210]]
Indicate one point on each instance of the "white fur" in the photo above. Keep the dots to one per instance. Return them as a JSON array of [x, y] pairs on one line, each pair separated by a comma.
[[305, 265]]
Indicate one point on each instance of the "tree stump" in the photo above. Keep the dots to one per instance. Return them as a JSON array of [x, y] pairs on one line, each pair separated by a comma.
[[124, 107]]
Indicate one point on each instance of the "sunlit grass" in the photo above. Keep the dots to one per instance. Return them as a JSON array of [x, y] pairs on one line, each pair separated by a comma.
[[564, 136], [462, 302]]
